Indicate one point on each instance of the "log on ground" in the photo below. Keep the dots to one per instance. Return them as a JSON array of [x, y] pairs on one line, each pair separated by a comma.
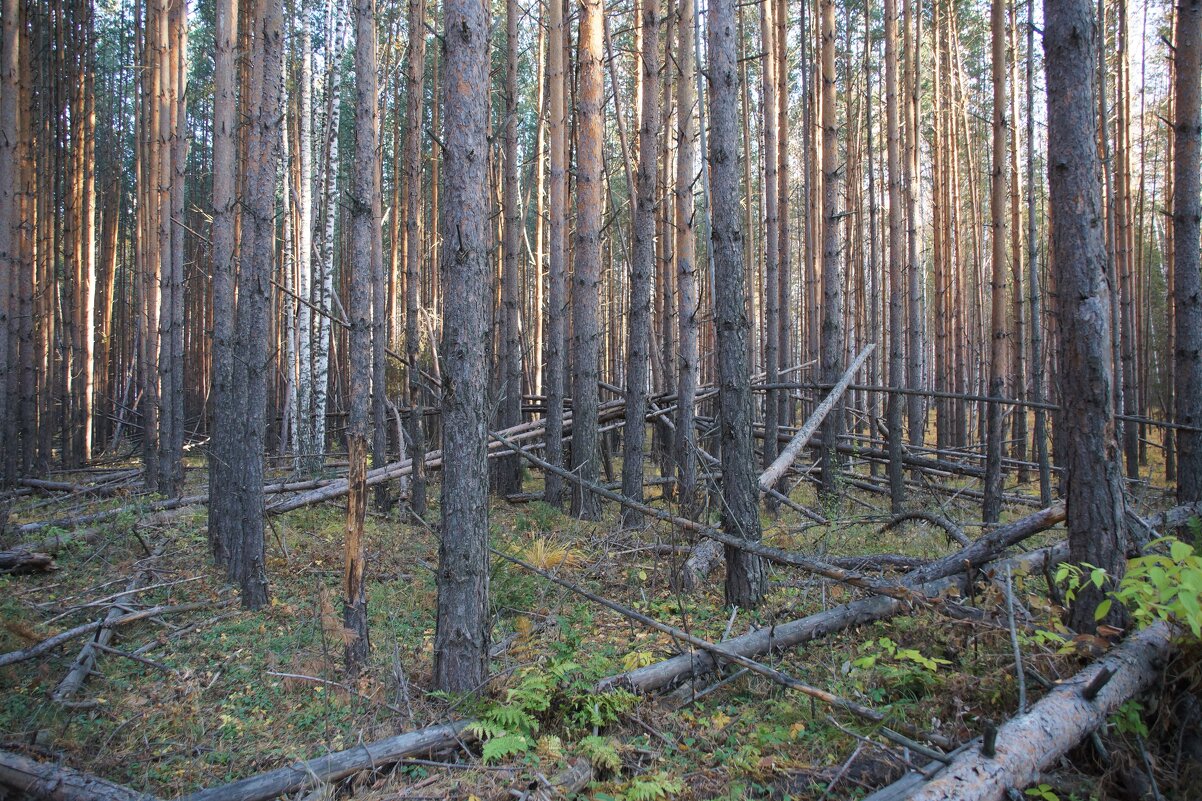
[[1027, 744], [35, 779]]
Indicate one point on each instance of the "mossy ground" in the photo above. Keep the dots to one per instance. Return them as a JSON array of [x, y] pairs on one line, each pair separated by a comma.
[[218, 712]]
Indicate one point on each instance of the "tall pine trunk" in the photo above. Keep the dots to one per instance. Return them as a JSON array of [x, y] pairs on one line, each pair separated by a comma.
[[745, 577], [1096, 500], [997, 212], [642, 266], [586, 255], [1187, 287], [461, 635]]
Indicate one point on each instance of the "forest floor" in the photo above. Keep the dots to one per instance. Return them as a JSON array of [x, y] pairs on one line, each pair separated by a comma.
[[229, 693]]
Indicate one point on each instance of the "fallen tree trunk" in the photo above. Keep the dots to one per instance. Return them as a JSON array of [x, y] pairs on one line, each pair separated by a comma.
[[789, 635], [790, 452], [1027, 744], [52, 545], [336, 766], [776, 555], [86, 659], [54, 781], [21, 561], [12, 657]]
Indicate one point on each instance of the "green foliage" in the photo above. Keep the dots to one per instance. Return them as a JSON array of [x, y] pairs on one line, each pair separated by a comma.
[[1129, 718], [652, 787], [1164, 586], [602, 752], [555, 691], [1043, 792]]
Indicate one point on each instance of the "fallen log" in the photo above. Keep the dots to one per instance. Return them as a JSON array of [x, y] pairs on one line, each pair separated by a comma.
[[50, 643], [336, 766], [723, 652], [1027, 744], [52, 545], [34, 779], [21, 561], [777, 555], [986, 548], [790, 452], [86, 659], [797, 632]]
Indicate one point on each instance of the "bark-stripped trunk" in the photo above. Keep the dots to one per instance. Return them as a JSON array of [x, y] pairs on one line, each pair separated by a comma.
[[365, 231], [997, 211], [461, 637], [897, 379], [745, 577], [1187, 286], [508, 470], [586, 258], [685, 249], [642, 266], [832, 286], [1095, 498], [557, 289]]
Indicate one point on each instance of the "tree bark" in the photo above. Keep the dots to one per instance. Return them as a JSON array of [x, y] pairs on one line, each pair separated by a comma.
[[508, 471], [557, 294], [462, 635], [10, 64], [745, 577], [414, 112], [832, 285], [257, 251], [893, 411], [1187, 287], [222, 514], [365, 232], [1095, 496], [642, 266], [997, 209], [586, 258], [685, 248]]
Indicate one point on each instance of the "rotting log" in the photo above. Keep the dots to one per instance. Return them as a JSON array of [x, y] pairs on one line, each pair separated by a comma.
[[52, 780], [797, 632], [1027, 744], [338, 765], [22, 561]]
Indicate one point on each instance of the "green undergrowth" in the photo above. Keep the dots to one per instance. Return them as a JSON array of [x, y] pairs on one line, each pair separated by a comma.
[[247, 692]]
